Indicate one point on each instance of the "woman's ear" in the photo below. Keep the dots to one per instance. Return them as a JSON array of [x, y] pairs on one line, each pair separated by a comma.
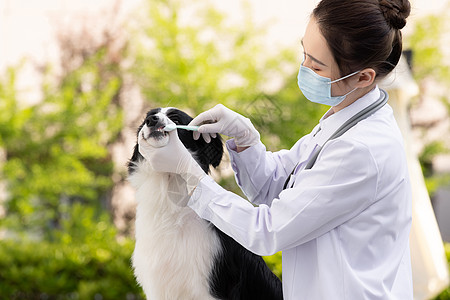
[[365, 77]]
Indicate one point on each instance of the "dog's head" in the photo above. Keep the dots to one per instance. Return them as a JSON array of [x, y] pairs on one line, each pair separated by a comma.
[[206, 154]]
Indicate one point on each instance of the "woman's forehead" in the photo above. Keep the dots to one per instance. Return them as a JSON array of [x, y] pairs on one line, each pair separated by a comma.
[[315, 44]]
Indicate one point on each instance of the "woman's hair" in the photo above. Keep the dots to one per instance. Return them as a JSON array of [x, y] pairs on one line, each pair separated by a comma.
[[363, 33]]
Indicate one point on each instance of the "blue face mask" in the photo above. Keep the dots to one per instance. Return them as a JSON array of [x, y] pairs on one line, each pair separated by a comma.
[[317, 88]]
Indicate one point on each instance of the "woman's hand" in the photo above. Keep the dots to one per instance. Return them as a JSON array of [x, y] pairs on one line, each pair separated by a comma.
[[222, 120], [172, 158]]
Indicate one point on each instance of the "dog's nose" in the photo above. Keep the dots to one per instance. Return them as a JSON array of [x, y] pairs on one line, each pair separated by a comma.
[[152, 121]]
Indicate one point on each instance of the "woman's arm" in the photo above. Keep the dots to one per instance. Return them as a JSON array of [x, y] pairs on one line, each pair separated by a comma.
[[261, 174], [341, 185]]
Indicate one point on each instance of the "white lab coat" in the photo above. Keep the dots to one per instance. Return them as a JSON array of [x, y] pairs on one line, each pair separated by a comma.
[[343, 227]]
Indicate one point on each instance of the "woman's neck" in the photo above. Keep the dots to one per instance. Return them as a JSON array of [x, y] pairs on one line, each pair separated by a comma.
[[353, 97]]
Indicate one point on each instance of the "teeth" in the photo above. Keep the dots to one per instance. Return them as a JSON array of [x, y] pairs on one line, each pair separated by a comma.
[[160, 129]]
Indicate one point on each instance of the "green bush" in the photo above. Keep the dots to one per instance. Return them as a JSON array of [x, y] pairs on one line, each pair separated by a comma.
[[45, 270], [57, 149], [445, 294], [83, 260], [196, 65], [274, 263]]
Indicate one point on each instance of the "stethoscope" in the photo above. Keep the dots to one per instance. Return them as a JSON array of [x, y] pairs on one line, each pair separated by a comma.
[[361, 115]]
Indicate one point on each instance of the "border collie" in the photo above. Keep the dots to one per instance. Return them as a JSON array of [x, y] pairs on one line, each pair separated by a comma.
[[178, 255]]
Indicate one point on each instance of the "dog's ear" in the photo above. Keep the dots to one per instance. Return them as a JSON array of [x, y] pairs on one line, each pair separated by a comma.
[[134, 159], [136, 154], [206, 154]]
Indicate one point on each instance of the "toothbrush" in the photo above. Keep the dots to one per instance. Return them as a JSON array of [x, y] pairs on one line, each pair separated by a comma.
[[170, 127]]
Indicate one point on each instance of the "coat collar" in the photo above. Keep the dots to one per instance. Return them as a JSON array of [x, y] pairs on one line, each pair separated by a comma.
[[330, 122]]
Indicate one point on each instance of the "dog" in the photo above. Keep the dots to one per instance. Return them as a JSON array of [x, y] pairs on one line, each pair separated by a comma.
[[177, 254]]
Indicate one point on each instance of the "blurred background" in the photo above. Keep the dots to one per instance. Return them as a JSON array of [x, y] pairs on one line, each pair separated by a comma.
[[77, 77]]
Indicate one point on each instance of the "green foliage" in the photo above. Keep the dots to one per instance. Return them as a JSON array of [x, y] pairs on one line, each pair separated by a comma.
[[58, 167], [445, 294], [427, 44], [432, 180], [283, 117], [70, 268], [427, 154], [189, 57], [56, 150], [429, 63], [274, 263]]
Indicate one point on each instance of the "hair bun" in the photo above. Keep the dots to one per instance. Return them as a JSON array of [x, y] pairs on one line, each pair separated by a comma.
[[395, 12]]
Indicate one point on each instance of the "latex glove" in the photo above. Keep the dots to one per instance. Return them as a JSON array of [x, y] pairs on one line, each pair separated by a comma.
[[172, 158], [220, 119]]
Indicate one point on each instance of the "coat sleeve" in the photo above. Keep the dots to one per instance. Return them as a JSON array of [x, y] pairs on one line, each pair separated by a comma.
[[261, 174], [341, 184]]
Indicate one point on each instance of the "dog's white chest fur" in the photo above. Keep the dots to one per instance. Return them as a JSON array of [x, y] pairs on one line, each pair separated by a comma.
[[175, 249]]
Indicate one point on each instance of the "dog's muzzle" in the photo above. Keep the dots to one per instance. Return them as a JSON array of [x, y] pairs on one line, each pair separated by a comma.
[[154, 128]]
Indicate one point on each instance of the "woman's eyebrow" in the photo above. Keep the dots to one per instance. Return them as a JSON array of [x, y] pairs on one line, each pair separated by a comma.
[[313, 58]]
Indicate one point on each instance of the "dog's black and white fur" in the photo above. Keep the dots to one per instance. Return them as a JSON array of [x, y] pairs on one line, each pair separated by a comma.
[[177, 254]]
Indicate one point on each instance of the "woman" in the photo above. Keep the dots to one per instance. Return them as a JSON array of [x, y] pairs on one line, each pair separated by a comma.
[[343, 223]]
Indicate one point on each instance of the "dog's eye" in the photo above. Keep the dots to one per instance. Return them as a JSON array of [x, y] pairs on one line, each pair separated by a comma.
[[178, 117], [174, 118]]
